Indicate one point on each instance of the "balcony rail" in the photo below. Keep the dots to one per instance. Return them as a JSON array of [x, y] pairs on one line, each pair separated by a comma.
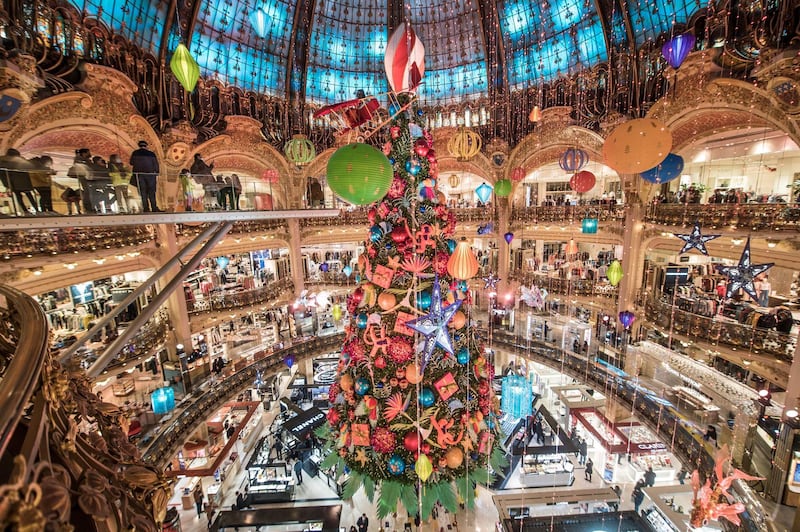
[[714, 331], [226, 300], [566, 287], [36, 242], [749, 216], [359, 217], [239, 228], [73, 467], [566, 213]]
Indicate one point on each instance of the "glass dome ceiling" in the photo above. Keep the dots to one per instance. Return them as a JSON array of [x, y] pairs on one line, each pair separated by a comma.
[[327, 50]]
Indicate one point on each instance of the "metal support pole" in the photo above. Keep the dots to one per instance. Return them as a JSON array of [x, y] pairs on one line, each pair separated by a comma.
[[133, 296], [157, 301]]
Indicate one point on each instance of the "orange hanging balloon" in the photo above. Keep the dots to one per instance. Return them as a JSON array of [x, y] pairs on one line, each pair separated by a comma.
[[462, 263]]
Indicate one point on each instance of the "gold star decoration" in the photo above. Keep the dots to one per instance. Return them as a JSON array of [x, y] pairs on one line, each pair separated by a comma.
[[393, 263], [361, 457], [466, 443]]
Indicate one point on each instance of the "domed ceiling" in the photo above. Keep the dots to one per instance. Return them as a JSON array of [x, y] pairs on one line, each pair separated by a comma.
[[326, 50]]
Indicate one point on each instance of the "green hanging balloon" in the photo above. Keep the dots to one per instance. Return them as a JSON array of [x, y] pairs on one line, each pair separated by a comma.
[[423, 467], [502, 188], [185, 68], [614, 272], [359, 174]]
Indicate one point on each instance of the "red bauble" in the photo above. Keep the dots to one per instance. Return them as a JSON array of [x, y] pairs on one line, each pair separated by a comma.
[[440, 263], [333, 416], [380, 362], [394, 131], [412, 441], [400, 350], [383, 440], [421, 147], [371, 215], [399, 234], [397, 188], [426, 448], [431, 155], [358, 295], [582, 182], [356, 349]]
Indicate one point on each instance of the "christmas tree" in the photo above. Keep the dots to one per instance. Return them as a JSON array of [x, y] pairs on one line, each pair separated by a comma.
[[413, 417]]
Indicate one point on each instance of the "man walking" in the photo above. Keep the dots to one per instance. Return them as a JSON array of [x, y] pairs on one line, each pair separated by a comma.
[[298, 470], [583, 451], [589, 470], [363, 523], [145, 173]]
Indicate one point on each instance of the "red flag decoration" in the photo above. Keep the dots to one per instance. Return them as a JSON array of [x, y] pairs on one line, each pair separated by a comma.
[[405, 59]]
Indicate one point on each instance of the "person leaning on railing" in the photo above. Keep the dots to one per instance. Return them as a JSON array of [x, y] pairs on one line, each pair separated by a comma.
[[145, 173]]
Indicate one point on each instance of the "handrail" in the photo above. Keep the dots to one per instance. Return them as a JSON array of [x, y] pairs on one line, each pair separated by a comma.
[[749, 216], [25, 365], [231, 300], [572, 287], [603, 212]]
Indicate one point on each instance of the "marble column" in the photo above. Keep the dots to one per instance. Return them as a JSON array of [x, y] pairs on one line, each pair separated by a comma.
[[176, 304], [295, 256]]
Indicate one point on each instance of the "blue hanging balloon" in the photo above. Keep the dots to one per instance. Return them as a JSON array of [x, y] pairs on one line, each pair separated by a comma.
[[451, 245], [484, 192], [396, 465], [361, 321], [426, 397], [462, 285], [463, 355], [666, 171], [413, 166], [289, 360], [324, 267], [347, 270], [423, 300], [375, 233], [223, 262]]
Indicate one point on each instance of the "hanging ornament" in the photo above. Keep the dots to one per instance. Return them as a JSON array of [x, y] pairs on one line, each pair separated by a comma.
[[666, 171], [743, 274], [336, 312], [260, 21], [433, 326], [454, 180], [484, 192], [518, 174], [347, 270], [614, 272], [413, 166], [589, 226], [299, 150], [223, 262], [573, 160], [289, 361], [535, 115], [533, 296], [464, 144], [571, 248], [583, 181], [184, 67], [404, 59], [626, 318], [502, 188], [423, 467], [490, 282], [637, 145], [508, 237], [695, 240], [359, 174], [271, 176], [462, 264], [676, 49]]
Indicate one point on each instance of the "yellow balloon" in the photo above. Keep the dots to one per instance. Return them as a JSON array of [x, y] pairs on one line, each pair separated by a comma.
[[637, 145], [423, 467], [336, 312]]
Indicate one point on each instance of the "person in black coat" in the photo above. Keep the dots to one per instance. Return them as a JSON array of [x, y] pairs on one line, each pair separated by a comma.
[[145, 174], [589, 470]]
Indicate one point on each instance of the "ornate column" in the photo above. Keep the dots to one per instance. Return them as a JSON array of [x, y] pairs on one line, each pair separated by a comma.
[[295, 257], [176, 304], [632, 253]]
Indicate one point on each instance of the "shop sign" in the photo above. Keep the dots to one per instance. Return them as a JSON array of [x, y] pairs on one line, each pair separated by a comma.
[[304, 423], [650, 447]]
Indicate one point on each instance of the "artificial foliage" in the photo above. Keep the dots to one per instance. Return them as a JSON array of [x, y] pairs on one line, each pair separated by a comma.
[[413, 417]]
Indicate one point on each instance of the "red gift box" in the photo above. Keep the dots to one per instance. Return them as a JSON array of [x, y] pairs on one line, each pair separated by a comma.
[[360, 434], [400, 323], [446, 386], [382, 276]]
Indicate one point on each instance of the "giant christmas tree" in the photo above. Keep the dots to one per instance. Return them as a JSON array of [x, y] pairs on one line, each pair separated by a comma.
[[413, 416]]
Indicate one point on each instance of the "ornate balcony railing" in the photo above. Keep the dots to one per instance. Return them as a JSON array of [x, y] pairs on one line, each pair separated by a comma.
[[73, 467], [567, 287], [359, 217], [714, 331], [226, 300], [566, 214], [35, 242], [239, 228], [749, 216]]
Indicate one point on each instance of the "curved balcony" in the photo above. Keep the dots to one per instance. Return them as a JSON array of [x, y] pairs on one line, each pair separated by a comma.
[[241, 227], [14, 244], [226, 300], [359, 217], [73, 466], [714, 331], [567, 214], [565, 287], [749, 216]]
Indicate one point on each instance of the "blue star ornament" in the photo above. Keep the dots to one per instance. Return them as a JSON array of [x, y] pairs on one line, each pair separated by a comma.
[[433, 326], [490, 282], [743, 274], [695, 240]]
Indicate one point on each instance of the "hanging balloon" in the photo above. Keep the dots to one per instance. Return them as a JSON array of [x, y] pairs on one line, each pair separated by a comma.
[[502, 188], [324, 267], [185, 68], [676, 49], [626, 318], [223, 262], [462, 264], [336, 312], [508, 237], [637, 145], [260, 21], [589, 226], [536, 114], [423, 467], [518, 174], [347, 270], [289, 360], [270, 176], [299, 150], [669, 169], [573, 160], [583, 181], [614, 272], [484, 192], [359, 174], [404, 60], [464, 144]]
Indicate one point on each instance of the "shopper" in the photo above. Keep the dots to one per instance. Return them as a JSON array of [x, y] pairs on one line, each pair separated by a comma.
[[241, 503], [682, 475], [198, 498], [82, 171], [236, 186], [41, 179], [650, 477], [298, 470], [363, 523], [583, 451], [637, 497], [589, 470], [145, 174], [15, 176], [120, 178]]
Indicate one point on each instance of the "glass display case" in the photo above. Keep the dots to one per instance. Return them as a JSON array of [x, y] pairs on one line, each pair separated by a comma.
[[268, 481], [661, 463], [541, 470]]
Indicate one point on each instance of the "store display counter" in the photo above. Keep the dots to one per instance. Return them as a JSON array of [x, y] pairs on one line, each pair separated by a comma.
[[546, 470], [264, 488], [661, 464]]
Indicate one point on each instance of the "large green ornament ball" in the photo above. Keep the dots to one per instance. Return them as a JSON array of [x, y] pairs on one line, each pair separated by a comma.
[[502, 188], [359, 174]]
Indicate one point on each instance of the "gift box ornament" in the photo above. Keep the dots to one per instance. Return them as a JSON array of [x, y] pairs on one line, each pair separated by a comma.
[[446, 386]]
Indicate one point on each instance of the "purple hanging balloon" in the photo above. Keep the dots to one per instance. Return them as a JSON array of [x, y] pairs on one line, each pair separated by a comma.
[[324, 267], [676, 49], [289, 360], [626, 318], [509, 237]]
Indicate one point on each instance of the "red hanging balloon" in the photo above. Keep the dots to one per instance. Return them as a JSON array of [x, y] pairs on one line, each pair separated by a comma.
[[270, 176], [582, 181], [518, 174]]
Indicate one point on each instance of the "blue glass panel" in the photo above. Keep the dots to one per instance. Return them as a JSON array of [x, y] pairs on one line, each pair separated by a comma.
[[324, 85], [443, 86], [651, 18], [140, 21]]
